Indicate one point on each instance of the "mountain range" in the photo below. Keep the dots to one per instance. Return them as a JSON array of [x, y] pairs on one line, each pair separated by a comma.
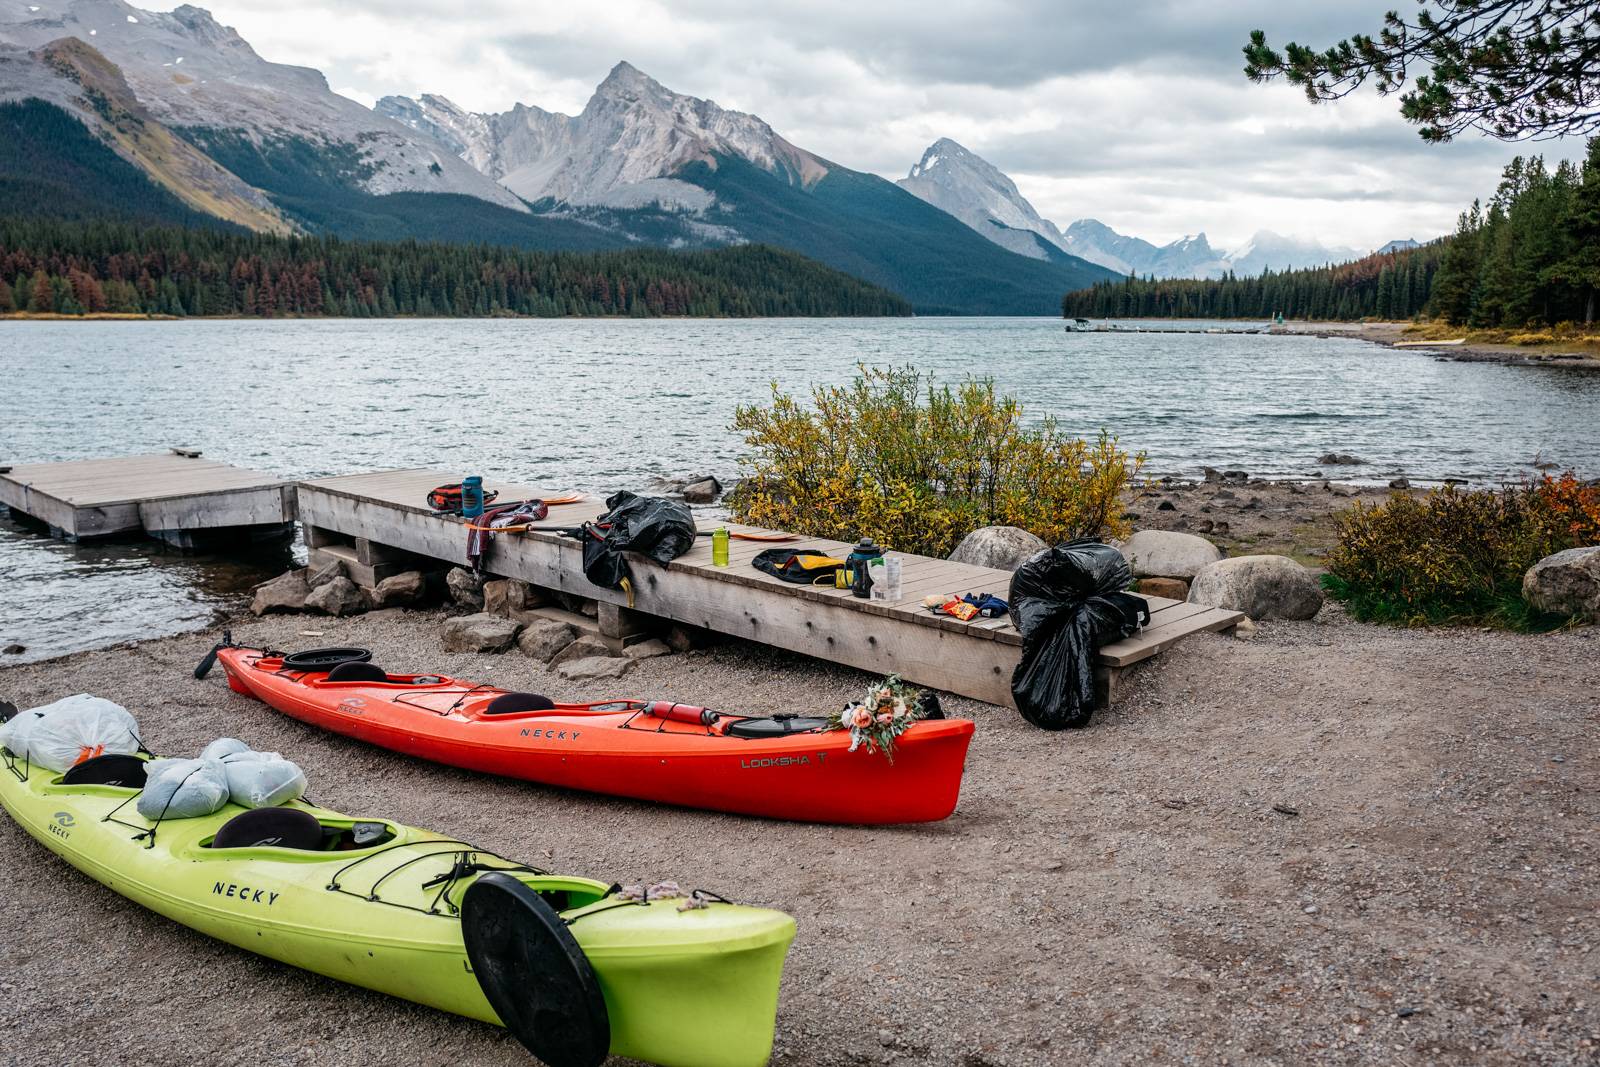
[[978, 193], [187, 104], [216, 132]]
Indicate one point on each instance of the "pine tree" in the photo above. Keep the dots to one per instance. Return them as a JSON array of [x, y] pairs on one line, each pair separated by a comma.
[[1579, 269], [44, 295]]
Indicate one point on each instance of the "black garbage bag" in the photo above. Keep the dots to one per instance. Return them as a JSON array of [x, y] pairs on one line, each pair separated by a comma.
[[1066, 602], [659, 528]]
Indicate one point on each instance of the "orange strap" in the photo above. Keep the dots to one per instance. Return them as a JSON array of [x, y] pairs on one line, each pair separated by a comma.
[[764, 537]]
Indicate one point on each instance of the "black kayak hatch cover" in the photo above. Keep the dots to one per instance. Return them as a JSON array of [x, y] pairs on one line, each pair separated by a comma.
[[325, 659], [534, 974]]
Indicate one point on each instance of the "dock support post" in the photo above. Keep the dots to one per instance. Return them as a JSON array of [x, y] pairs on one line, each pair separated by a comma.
[[620, 626]]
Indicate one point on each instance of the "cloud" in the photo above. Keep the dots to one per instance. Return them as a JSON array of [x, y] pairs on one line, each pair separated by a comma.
[[1136, 113]]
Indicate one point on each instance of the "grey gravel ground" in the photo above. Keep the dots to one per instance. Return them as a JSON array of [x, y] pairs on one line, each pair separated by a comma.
[[1125, 894]]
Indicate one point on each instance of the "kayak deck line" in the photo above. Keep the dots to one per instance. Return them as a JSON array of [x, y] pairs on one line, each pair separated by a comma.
[[378, 524]]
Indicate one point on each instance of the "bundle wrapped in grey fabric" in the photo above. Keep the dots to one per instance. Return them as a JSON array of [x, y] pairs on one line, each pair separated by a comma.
[[182, 789]]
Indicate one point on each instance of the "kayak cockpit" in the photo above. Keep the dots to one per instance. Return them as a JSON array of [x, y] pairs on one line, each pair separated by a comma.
[[298, 829]]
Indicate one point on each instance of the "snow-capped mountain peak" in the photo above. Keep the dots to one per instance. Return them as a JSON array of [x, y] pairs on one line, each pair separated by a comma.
[[623, 150], [964, 184], [223, 84]]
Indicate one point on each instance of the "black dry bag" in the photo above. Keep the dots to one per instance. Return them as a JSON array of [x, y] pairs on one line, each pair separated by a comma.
[[656, 527], [1066, 602]]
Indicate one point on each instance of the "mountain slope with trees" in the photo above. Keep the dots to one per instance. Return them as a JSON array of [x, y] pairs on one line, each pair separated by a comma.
[[76, 267]]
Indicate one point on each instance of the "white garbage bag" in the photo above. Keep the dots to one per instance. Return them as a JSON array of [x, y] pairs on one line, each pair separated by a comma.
[[183, 788], [78, 728], [14, 733], [263, 779]]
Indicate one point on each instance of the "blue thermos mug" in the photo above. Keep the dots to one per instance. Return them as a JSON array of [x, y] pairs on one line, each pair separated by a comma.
[[472, 497]]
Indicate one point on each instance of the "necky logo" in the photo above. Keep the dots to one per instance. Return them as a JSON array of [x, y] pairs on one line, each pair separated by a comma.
[[552, 735], [244, 893], [64, 818]]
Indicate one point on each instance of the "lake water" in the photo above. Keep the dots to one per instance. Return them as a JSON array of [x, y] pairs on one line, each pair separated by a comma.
[[605, 404]]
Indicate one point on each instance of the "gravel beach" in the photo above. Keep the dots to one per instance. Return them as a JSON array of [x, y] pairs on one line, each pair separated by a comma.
[[1331, 843]]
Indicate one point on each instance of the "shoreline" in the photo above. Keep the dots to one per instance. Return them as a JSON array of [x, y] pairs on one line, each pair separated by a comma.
[[1390, 334]]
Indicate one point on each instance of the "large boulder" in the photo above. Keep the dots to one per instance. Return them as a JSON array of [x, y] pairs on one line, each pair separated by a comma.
[[407, 587], [1003, 548], [1567, 583], [285, 593], [587, 646], [512, 598], [1168, 554], [544, 639], [681, 638], [466, 587], [320, 576], [479, 633], [340, 596], [702, 490], [1263, 587], [594, 668], [1168, 588]]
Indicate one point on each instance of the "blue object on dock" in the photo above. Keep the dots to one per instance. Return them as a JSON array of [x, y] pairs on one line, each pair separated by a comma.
[[472, 497]]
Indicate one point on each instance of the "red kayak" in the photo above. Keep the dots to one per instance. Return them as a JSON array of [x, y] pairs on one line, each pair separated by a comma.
[[784, 767]]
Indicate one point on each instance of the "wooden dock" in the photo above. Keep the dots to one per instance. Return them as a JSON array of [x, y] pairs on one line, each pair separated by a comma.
[[175, 496], [381, 520]]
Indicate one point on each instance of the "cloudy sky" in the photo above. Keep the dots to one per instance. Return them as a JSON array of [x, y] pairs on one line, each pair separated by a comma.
[[1135, 112]]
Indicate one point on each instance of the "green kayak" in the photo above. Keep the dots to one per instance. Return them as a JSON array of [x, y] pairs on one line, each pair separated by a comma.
[[576, 969]]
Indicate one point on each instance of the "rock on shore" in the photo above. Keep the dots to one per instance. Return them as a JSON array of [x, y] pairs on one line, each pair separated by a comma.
[[1168, 554], [1000, 547], [1567, 583], [1263, 587]]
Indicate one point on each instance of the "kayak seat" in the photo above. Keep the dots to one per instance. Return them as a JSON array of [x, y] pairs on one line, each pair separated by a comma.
[[277, 827], [355, 671], [113, 768], [777, 726], [511, 703]]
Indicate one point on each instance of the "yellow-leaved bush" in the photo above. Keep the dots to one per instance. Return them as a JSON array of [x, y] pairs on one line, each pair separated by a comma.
[[916, 466], [1458, 556]]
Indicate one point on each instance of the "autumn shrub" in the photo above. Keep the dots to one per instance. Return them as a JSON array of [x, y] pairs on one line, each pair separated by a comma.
[[1570, 509], [916, 466], [1457, 556]]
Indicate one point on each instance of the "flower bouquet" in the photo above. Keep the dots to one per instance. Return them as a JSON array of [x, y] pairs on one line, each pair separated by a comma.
[[889, 710]]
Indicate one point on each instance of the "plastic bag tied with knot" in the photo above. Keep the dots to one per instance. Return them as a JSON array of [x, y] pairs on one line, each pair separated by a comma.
[[76, 728], [1068, 601]]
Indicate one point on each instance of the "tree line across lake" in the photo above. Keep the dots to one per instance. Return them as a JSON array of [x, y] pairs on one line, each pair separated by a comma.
[[104, 266], [1531, 258]]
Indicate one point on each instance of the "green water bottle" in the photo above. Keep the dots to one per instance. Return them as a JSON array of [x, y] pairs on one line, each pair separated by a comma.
[[719, 547]]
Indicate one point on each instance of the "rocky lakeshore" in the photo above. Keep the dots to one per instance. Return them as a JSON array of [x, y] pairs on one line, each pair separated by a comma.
[[1240, 514], [1390, 334], [1331, 842]]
